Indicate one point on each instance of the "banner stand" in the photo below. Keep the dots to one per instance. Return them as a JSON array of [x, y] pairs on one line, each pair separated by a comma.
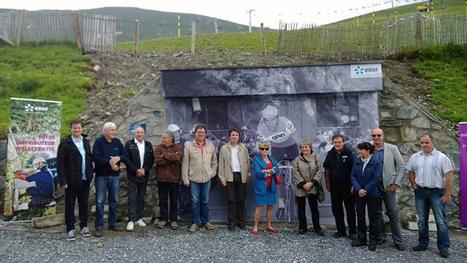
[[463, 174]]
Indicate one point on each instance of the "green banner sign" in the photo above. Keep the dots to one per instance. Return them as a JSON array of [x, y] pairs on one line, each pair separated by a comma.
[[31, 158]]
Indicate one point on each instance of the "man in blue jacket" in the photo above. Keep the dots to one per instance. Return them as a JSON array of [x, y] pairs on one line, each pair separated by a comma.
[[108, 152]]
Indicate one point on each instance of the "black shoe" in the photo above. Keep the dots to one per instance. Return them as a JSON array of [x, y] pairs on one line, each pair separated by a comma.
[[399, 247], [419, 248], [353, 237], [98, 233], [302, 231], [338, 235], [320, 232], [241, 227], [372, 247], [231, 227], [358, 243], [380, 242], [444, 254]]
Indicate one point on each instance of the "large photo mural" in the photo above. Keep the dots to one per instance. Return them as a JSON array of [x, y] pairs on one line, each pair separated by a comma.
[[280, 105]]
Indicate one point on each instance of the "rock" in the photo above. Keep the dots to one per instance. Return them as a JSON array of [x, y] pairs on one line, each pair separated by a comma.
[[421, 122], [408, 148], [436, 126], [84, 117], [407, 112], [48, 221], [391, 135], [408, 134], [385, 114]]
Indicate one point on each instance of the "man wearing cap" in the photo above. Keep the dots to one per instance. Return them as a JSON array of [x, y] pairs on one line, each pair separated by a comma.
[[278, 131]]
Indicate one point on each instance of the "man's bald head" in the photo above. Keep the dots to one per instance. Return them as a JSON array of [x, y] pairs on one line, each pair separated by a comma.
[[377, 135]]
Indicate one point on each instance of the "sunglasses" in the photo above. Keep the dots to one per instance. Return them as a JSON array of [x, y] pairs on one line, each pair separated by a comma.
[[262, 149], [376, 135]]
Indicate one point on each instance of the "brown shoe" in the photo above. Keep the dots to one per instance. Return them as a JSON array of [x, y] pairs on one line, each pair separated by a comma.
[[194, 228], [209, 226], [174, 225]]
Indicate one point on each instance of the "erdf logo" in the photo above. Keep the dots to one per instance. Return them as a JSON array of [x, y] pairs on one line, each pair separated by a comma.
[[31, 108]]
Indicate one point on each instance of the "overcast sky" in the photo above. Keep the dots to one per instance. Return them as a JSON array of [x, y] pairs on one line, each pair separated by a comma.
[[267, 11]]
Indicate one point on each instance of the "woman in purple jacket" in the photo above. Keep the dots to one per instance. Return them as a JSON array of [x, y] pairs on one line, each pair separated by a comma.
[[366, 182]]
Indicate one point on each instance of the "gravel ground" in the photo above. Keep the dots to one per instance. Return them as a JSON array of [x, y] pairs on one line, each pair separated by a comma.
[[23, 244]]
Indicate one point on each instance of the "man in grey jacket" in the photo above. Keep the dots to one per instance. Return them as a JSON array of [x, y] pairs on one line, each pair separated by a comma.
[[393, 172]]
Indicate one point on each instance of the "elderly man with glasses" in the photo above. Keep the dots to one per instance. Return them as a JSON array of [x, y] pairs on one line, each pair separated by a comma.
[[393, 172]]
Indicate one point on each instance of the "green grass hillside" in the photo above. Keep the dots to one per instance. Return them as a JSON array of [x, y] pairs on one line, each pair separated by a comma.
[[439, 7], [53, 72], [208, 42], [446, 69]]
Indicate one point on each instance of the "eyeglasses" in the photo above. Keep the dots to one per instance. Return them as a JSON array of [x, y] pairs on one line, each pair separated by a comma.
[[262, 149], [376, 135]]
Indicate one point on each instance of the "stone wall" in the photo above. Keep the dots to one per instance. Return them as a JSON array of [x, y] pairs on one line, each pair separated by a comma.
[[403, 121]]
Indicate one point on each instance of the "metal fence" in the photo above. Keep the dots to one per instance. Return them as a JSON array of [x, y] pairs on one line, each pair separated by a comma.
[[89, 32], [354, 41]]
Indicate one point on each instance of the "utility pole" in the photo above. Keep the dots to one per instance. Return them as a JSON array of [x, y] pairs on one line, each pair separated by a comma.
[[178, 26], [249, 24]]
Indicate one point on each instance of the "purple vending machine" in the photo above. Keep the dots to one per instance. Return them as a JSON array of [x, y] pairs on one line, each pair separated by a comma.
[[463, 173]]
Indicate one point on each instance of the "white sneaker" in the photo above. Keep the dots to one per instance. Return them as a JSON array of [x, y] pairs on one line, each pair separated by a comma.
[[130, 226], [140, 223]]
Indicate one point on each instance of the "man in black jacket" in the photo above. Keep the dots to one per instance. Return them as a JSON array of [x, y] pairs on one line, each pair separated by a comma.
[[140, 162], [338, 167], [74, 171]]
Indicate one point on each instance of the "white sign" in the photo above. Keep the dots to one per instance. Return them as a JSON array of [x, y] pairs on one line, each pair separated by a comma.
[[366, 71]]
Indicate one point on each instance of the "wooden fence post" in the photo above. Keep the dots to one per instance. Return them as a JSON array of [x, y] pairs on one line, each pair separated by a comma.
[[193, 38], [79, 42], [418, 30], [263, 39], [136, 38], [19, 27]]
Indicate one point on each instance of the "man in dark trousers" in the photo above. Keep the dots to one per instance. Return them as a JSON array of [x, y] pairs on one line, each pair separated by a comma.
[[338, 168], [107, 153], [140, 162], [74, 171]]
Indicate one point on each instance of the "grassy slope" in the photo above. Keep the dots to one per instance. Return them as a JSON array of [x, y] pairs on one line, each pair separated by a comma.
[[440, 7], [446, 69], [208, 42], [53, 72]]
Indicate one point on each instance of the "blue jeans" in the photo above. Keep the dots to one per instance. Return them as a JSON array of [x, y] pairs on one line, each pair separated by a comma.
[[200, 203], [104, 185], [424, 199]]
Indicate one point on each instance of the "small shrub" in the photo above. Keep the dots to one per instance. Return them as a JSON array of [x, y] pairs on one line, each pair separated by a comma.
[[28, 85]]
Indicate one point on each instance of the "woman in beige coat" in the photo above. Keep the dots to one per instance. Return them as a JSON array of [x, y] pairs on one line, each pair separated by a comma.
[[307, 175]]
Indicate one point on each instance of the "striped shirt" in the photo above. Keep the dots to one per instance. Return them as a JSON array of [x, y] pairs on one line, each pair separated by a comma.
[[430, 168]]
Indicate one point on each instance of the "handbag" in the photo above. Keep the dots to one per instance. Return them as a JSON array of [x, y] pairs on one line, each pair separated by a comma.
[[277, 178], [321, 195]]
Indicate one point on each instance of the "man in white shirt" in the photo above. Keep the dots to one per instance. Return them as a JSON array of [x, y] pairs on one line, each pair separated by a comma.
[[234, 170], [431, 177], [140, 162]]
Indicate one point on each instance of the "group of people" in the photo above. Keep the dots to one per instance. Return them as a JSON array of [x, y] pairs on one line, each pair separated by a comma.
[[358, 183]]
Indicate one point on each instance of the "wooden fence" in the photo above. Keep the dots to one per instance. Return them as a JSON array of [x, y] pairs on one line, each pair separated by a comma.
[[89, 32], [355, 41]]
